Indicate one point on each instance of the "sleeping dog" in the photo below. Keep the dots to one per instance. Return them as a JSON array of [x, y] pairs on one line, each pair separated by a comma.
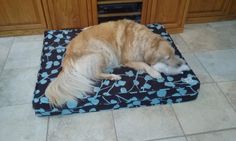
[[103, 46]]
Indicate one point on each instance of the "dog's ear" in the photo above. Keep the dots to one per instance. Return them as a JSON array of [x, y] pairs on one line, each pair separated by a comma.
[[160, 49], [165, 50], [151, 55]]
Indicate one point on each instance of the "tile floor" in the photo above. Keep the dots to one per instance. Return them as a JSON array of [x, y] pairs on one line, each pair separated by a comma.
[[210, 50]]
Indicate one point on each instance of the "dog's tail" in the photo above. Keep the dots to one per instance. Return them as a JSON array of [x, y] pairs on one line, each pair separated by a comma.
[[74, 81]]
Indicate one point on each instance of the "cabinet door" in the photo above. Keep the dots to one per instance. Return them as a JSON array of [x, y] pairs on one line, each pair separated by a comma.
[[207, 10], [171, 13], [71, 13], [232, 8], [20, 15]]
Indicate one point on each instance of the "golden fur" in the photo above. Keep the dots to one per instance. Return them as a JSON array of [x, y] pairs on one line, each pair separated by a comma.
[[107, 45]]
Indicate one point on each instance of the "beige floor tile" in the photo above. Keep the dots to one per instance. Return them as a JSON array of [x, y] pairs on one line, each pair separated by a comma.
[[225, 31], [229, 89], [30, 38], [203, 37], [17, 86], [180, 43], [24, 54], [19, 123], [5, 45], [220, 64], [146, 123], [96, 126], [223, 24], [210, 111]]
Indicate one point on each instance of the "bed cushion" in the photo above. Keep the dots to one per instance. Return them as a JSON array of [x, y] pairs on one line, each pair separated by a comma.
[[135, 89]]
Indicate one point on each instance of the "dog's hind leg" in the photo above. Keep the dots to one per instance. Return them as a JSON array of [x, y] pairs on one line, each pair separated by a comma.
[[108, 76], [141, 66], [104, 62]]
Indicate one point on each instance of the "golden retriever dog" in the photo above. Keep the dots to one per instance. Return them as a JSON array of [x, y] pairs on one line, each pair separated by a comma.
[[108, 45]]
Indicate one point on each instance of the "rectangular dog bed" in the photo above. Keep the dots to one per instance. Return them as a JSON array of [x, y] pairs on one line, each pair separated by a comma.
[[133, 90]]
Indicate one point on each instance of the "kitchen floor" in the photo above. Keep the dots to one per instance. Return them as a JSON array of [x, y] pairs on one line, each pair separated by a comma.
[[210, 50]]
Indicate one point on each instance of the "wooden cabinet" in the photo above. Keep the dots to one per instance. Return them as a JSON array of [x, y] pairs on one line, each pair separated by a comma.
[[210, 10], [171, 13], [71, 13], [20, 16], [232, 9]]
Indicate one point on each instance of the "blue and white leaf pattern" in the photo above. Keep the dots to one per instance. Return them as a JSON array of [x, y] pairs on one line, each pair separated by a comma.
[[44, 100], [123, 90], [72, 104], [133, 90]]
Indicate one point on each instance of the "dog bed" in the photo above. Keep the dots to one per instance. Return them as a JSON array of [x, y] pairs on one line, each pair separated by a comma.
[[135, 89]]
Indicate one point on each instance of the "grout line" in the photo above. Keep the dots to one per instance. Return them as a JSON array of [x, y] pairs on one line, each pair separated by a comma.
[[213, 131], [114, 125], [213, 50], [203, 67], [178, 121], [208, 82], [187, 135], [47, 129], [4, 64], [186, 138], [188, 45], [159, 139], [225, 81], [202, 51], [227, 98], [185, 44]]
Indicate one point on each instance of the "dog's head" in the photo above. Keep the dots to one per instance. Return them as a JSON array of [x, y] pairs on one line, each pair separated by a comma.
[[161, 51]]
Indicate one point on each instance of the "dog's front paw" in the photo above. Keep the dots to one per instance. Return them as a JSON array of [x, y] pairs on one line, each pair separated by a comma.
[[115, 77], [155, 74]]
